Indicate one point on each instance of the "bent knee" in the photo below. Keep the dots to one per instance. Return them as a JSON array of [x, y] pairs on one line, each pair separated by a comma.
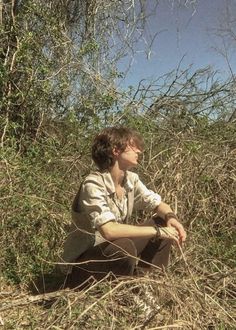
[[126, 246]]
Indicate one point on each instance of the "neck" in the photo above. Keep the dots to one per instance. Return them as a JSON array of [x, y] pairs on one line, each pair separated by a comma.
[[117, 175]]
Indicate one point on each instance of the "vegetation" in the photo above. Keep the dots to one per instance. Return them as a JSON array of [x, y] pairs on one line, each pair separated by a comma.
[[57, 90]]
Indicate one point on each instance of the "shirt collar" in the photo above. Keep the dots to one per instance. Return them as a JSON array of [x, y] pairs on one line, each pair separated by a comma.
[[110, 184], [127, 183]]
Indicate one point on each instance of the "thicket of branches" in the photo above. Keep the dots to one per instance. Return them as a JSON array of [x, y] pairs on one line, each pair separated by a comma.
[[58, 76], [60, 57]]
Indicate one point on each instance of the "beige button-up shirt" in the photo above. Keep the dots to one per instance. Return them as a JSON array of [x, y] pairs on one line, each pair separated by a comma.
[[96, 204]]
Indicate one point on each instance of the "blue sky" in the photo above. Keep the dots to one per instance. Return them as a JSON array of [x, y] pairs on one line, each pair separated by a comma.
[[184, 32]]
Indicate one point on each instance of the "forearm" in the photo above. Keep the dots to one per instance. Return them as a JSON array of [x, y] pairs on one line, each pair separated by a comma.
[[113, 230], [162, 210]]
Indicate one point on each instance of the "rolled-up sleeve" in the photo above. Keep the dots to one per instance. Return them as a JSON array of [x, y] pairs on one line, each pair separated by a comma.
[[145, 198], [93, 202]]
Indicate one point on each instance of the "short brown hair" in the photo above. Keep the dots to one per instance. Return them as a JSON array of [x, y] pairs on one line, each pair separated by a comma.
[[110, 138]]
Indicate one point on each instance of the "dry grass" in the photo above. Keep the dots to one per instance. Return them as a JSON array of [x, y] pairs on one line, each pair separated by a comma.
[[189, 297], [194, 170]]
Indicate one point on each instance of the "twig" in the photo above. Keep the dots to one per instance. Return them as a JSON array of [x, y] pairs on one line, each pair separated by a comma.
[[35, 299], [187, 266]]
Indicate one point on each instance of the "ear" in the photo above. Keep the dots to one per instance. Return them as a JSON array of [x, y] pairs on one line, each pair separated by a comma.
[[115, 151]]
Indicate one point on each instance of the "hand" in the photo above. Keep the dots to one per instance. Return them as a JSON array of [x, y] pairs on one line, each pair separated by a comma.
[[173, 223], [169, 233]]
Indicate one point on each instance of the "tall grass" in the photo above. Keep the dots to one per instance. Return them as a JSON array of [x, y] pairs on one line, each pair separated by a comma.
[[193, 169]]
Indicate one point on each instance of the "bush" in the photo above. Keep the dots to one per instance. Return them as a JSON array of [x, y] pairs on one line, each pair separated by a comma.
[[194, 171]]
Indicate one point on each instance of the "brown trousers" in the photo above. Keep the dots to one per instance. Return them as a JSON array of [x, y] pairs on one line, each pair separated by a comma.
[[119, 257]]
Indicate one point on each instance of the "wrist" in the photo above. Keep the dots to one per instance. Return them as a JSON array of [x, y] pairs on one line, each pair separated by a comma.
[[170, 215], [157, 234]]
